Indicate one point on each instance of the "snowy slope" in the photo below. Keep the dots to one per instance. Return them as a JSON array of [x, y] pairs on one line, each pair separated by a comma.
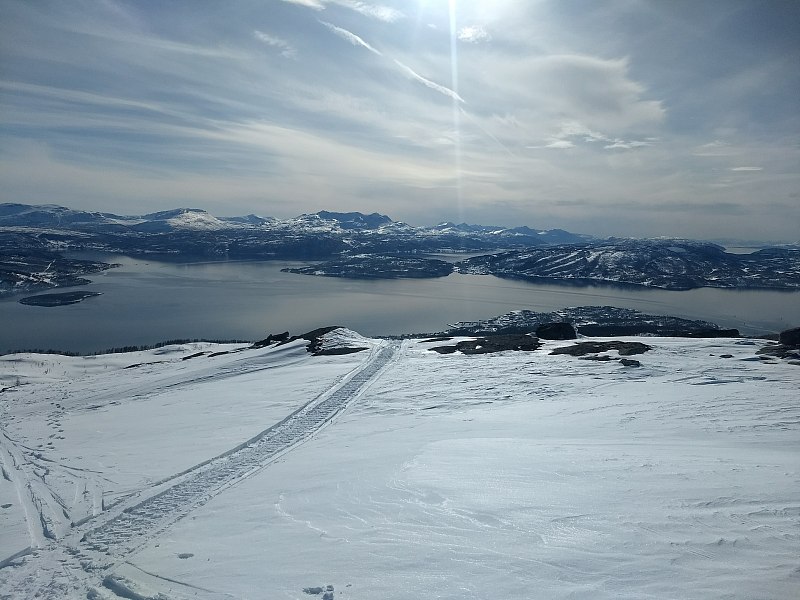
[[400, 473]]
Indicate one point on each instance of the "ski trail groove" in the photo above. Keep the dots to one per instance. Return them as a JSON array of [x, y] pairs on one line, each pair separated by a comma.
[[138, 523], [45, 516]]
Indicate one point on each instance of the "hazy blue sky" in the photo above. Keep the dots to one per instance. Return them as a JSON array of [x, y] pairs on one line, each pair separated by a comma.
[[624, 117]]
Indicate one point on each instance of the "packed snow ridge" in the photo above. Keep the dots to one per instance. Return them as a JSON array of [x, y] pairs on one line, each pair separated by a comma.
[[248, 471]]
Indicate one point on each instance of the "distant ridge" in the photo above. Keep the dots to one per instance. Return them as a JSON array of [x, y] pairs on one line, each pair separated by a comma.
[[355, 220], [373, 245], [445, 236]]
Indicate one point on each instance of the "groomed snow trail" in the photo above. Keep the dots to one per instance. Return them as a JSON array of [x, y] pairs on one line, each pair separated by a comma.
[[84, 556], [138, 523]]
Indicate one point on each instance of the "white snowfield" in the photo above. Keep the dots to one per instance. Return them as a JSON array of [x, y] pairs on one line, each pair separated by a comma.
[[215, 471]]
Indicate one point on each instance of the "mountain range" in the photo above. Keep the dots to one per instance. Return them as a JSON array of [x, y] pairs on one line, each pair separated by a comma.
[[668, 264], [191, 231], [357, 245]]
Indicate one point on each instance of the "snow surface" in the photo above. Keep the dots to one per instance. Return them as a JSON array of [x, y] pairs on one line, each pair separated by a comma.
[[400, 473]]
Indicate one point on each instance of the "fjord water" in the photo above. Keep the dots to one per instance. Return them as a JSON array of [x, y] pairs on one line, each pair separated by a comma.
[[145, 301]]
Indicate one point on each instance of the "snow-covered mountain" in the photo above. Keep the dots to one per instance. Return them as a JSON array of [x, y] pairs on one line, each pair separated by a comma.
[[352, 228], [210, 471], [532, 237], [22, 215], [359, 245], [670, 264]]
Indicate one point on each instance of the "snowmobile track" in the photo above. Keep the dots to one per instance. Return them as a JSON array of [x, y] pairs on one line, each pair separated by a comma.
[[141, 521]]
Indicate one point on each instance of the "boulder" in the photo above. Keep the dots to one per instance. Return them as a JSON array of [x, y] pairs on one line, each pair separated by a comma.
[[790, 337], [556, 331], [629, 362]]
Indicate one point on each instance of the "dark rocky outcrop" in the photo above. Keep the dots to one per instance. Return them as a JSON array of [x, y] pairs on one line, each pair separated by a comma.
[[272, 338], [706, 333], [594, 321], [491, 344], [790, 337], [314, 337], [779, 351], [584, 348], [630, 362], [787, 348], [556, 331], [315, 347]]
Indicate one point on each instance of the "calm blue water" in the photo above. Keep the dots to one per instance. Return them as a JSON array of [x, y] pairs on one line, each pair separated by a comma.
[[146, 301]]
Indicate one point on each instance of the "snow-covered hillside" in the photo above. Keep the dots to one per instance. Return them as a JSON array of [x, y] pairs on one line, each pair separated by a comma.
[[221, 471]]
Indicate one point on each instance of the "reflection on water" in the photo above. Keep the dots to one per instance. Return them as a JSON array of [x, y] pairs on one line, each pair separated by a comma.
[[147, 301]]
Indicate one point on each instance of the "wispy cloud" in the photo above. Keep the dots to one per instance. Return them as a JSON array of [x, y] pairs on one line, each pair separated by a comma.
[[411, 74], [351, 37], [574, 129], [473, 34], [560, 145], [376, 11], [314, 4], [573, 132], [627, 145], [745, 169], [285, 48], [715, 148]]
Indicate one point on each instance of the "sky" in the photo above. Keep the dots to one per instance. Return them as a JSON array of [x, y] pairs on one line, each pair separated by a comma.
[[637, 118]]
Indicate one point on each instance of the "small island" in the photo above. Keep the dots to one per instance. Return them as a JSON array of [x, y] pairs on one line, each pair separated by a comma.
[[366, 266], [61, 299]]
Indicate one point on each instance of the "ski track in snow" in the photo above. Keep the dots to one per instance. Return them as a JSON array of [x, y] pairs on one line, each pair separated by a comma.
[[83, 556]]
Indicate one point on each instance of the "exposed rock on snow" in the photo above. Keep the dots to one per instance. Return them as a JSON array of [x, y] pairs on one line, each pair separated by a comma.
[[556, 331], [779, 351], [584, 348], [334, 340], [787, 348], [595, 321], [790, 337], [326, 592], [491, 344], [272, 338]]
